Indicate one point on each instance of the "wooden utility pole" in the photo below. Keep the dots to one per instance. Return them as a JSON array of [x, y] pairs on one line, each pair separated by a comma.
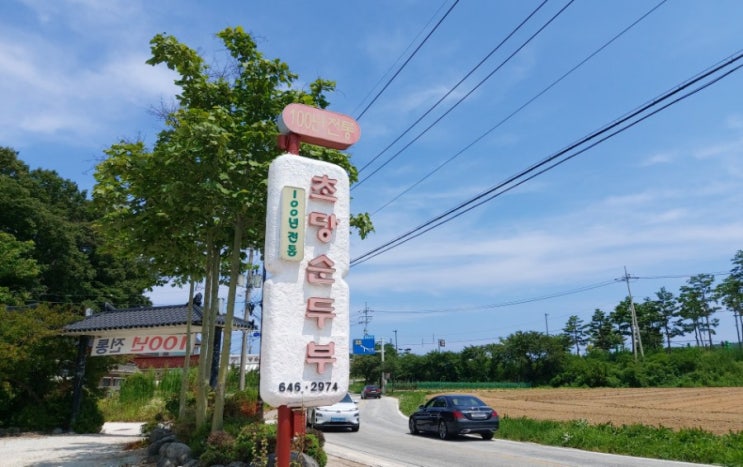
[[636, 340]]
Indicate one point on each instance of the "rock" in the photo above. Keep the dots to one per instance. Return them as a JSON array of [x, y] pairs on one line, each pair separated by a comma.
[[154, 448], [180, 453], [296, 458]]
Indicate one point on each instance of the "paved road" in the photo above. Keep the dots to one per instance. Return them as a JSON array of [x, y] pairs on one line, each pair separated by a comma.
[[384, 441]]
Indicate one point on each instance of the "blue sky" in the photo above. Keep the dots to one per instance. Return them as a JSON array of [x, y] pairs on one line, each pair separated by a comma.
[[663, 198]]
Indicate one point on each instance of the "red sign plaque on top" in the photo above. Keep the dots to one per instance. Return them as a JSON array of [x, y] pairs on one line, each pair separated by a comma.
[[319, 127]]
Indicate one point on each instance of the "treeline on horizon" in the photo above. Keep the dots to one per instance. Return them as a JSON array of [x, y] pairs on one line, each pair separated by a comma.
[[536, 359]]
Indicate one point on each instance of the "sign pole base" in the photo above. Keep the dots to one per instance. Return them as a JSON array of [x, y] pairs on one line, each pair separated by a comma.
[[284, 436]]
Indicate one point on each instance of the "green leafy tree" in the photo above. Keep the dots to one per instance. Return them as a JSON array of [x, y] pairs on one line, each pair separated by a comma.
[[476, 363], [696, 305], [621, 318], [650, 323], [37, 368], [19, 272], [441, 366], [533, 356], [730, 293], [672, 324], [40, 207], [601, 332], [204, 183], [575, 332]]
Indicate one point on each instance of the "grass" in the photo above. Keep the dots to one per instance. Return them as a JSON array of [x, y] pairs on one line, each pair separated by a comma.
[[116, 410], [687, 445]]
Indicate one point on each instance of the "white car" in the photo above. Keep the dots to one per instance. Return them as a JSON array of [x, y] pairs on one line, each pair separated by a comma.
[[342, 414]]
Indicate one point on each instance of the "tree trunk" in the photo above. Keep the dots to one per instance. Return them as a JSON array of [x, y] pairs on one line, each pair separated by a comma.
[[187, 359], [202, 385], [224, 362]]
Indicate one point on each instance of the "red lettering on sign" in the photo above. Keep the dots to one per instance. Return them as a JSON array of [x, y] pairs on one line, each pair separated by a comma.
[[321, 355], [321, 309], [320, 270], [323, 188]]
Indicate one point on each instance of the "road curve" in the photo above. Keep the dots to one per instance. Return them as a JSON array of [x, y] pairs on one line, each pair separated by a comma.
[[384, 441]]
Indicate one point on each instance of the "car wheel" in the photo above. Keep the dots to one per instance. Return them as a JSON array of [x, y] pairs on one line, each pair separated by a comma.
[[487, 435], [412, 427], [355, 428], [443, 430]]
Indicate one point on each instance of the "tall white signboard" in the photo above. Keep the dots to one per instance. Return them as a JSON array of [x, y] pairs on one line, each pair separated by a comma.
[[305, 324]]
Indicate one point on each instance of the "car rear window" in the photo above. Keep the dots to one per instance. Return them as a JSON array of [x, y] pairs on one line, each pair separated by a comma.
[[466, 401]]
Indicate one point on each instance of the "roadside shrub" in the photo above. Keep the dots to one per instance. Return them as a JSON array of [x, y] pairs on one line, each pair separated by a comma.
[[219, 449], [255, 442], [243, 406], [310, 445], [194, 436], [90, 419], [317, 434]]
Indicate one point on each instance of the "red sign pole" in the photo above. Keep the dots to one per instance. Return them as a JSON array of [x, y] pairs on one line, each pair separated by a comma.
[[284, 436], [298, 123]]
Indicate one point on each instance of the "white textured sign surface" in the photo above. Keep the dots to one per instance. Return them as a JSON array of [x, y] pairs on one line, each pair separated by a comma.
[[305, 322]]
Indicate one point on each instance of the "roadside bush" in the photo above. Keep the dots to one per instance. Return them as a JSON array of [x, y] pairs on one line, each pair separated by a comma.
[[90, 419], [220, 449], [243, 406], [310, 445], [255, 442]]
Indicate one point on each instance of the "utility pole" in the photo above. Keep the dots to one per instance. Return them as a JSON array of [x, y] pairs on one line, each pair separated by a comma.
[[246, 315], [546, 323], [396, 348], [381, 383], [366, 318], [636, 341]]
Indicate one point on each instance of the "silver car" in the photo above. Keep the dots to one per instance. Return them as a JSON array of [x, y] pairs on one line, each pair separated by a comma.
[[342, 414]]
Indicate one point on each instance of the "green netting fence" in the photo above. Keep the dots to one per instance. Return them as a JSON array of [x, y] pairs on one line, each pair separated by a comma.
[[458, 385]]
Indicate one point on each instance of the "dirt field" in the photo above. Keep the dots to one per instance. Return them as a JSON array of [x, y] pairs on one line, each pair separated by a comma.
[[718, 410]]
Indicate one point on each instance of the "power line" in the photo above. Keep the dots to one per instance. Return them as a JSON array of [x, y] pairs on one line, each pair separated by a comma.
[[496, 48], [503, 304], [522, 107], [407, 61], [554, 161], [538, 298]]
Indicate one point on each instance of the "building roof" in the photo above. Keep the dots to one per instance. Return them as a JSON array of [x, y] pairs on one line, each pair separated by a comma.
[[144, 318]]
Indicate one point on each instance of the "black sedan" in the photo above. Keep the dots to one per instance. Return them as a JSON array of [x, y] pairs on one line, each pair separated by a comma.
[[455, 414]]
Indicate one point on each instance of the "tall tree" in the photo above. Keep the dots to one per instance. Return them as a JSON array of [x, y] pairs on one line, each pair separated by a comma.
[[18, 270], [696, 302], [671, 322], [601, 332], [730, 293], [650, 324], [204, 183], [533, 356], [575, 332], [621, 317], [40, 207]]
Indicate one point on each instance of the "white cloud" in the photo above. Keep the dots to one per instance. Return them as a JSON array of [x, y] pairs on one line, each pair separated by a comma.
[[658, 159]]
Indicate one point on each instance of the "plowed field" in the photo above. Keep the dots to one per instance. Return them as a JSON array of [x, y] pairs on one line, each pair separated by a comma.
[[718, 410]]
